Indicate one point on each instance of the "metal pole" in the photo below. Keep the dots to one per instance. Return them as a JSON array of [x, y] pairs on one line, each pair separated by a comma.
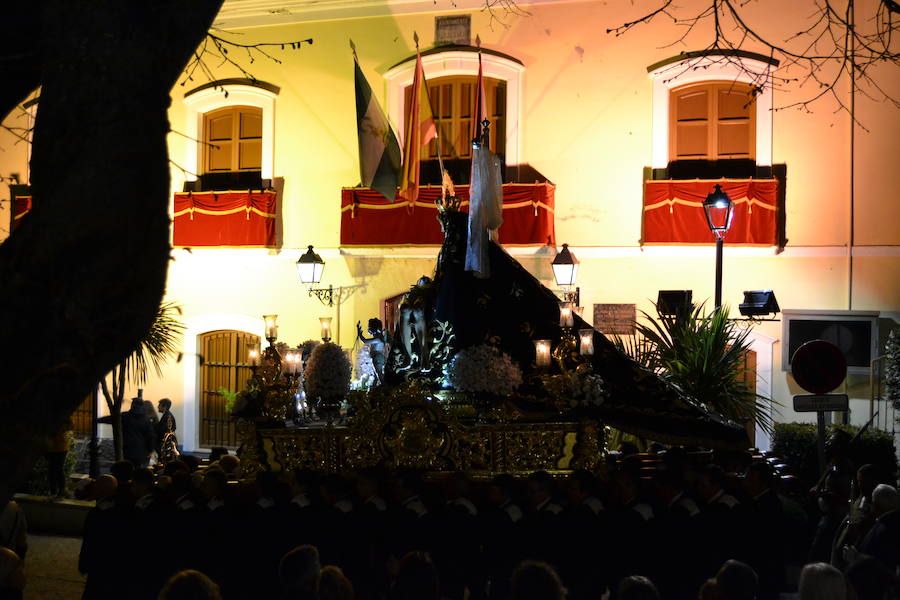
[[719, 243], [820, 427], [94, 466]]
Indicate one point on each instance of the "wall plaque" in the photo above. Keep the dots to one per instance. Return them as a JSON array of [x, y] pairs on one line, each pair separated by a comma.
[[617, 319], [452, 30]]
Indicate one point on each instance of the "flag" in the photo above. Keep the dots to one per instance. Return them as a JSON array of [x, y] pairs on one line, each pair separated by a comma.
[[420, 129], [379, 152], [485, 209], [479, 113]]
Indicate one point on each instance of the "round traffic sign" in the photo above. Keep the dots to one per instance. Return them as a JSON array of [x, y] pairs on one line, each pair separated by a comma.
[[818, 366]]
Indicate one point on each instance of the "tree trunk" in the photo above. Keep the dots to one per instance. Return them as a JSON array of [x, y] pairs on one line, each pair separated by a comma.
[[86, 271], [116, 424], [114, 400]]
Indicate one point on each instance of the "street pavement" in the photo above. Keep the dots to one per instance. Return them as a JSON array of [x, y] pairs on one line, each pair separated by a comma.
[[51, 568]]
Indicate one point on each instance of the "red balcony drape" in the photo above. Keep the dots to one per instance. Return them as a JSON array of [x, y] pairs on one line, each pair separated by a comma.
[[367, 219], [673, 211], [225, 219]]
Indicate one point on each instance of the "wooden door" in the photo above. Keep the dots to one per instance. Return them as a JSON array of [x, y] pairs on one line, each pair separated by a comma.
[[224, 367]]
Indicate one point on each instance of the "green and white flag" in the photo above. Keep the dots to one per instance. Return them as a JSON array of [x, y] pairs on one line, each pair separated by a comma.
[[379, 152]]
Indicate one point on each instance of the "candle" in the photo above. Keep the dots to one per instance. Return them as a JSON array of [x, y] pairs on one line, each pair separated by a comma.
[[587, 341], [326, 328], [271, 328], [254, 355], [566, 316], [542, 353]]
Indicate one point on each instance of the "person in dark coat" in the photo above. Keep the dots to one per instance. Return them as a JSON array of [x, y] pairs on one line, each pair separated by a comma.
[[100, 557], [138, 439], [767, 526], [883, 539], [166, 441]]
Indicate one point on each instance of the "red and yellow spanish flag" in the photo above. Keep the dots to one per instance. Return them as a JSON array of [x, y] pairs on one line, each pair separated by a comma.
[[420, 129]]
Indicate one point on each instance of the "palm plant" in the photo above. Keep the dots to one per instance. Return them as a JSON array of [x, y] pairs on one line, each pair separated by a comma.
[[704, 355], [152, 351]]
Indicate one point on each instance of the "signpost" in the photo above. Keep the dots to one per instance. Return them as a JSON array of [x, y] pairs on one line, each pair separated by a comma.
[[819, 367], [821, 402]]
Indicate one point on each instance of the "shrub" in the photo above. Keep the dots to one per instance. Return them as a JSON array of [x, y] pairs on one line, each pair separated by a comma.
[[796, 444], [37, 483]]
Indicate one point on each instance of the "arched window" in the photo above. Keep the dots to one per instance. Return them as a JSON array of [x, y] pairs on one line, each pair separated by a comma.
[[234, 121], [224, 367], [712, 115], [232, 139], [451, 76], [453, 100]]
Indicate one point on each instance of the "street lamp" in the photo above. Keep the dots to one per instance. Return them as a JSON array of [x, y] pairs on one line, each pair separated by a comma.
[[309, 268], [565, 269], [719, 211]]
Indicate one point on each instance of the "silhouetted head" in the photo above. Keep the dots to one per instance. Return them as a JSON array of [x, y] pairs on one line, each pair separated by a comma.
[[534, 580]]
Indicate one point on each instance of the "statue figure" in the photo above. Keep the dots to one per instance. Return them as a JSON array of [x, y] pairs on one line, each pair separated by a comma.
[[413, 324], [377, 345]]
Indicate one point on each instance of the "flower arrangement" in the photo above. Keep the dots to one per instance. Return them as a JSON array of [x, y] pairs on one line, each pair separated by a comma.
[[484, 368], [327, 372], [578, 388], [248, 403]]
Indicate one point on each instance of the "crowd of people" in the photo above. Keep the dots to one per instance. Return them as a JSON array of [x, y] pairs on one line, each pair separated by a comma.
[[693, 526]]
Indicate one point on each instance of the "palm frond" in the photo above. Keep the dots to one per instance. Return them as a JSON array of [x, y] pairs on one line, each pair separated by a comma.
[[704, 355], [160, 343]]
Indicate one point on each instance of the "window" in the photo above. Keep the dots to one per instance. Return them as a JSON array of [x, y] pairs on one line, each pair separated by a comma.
[[233, 139], [224, 367], [453, 100], [707, 122], [504, 78], [712, 121], [241, 124], [83, 417]]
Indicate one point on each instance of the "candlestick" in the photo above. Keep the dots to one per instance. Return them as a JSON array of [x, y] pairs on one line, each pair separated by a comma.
[[326, 328], [253, 355], [587, 341], [271, 327], [542, 353], [566, 316]]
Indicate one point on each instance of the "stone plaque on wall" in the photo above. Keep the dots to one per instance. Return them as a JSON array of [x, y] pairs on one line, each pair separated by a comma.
[[615, 319], [452, 30]]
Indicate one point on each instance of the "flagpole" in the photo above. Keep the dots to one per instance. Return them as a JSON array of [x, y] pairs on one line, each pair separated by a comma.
[[437, 130]]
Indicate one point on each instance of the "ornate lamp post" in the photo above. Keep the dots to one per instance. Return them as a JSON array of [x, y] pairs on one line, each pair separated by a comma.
[[719, 211], [309, 268], [565, 270]]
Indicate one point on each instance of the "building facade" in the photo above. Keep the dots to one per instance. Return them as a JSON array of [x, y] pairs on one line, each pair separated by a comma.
[[591, 115]]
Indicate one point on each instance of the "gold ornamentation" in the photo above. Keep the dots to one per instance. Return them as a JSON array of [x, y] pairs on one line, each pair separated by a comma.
[[409, 427]]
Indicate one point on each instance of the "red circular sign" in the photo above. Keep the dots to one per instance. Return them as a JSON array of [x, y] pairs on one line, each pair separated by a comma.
[[818, 366]]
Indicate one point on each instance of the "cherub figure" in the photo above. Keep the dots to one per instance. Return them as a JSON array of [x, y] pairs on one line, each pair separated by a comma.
[[377, 345]]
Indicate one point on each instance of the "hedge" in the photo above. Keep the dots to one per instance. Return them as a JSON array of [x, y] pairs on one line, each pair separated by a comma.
[[795, 443]]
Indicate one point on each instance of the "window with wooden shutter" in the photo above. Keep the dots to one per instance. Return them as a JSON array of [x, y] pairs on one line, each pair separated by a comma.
[[224, 366], [233, 139], [453, 100], [712, 121]]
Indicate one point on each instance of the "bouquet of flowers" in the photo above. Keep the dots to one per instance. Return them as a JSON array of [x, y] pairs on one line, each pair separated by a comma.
[[327, 372], [365, 370], [248, 403], [484, 368], [576, 388]]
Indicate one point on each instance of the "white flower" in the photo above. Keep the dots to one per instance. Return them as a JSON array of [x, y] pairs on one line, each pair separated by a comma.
[[327, 372], [484, 368], [365, 370]]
